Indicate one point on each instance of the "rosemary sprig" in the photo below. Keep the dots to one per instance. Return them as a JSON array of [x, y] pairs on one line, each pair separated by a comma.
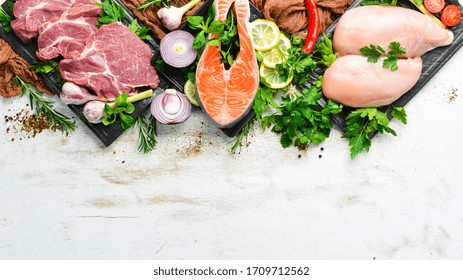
[[242, 138], [156, 3], [147, 133], [55, 119]]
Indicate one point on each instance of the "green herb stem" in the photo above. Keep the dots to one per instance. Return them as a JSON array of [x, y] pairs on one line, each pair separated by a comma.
[[190, 5], [147, 133], [56, 119]]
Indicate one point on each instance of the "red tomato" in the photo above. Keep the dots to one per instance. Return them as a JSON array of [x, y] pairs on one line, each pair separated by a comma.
[[451, 15], [434, 6]]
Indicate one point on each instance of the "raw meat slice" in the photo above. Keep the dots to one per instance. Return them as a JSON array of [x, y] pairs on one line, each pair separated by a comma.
[[380, 25], [227, 95], [114, 61], [67, 34], [31, 14], [355, 82]]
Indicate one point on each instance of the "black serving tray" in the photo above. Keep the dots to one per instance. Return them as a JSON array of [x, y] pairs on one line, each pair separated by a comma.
[[432, 63], [178, 80], [107, 134]]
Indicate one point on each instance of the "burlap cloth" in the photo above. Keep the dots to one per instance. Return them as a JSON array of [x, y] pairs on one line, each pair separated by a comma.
[[290, 15]]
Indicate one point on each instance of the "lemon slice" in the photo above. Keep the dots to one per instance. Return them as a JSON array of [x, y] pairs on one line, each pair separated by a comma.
[[273, 78], [265, 34], [277, 54], [190, 92]]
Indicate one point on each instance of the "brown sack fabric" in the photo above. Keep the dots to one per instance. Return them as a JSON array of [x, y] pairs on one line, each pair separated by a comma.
[[12, 65], [291, 15]]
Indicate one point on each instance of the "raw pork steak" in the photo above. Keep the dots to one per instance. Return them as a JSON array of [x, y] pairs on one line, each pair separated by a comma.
[[114, 61], [31, 14], [67, 35]]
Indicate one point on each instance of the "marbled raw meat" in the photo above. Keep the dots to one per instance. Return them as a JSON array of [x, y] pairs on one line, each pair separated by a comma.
[[66, 35], [31, 14], [114, 61]]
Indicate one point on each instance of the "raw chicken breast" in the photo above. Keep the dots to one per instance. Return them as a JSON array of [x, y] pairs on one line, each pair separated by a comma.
[[380, 25], [355, 82]]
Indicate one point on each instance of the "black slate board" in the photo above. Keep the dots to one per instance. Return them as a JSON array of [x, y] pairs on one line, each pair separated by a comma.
[[107, 134], [432, 63], [178, 79]]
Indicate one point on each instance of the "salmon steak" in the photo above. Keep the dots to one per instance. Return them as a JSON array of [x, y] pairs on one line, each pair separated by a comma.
[[226, 95]]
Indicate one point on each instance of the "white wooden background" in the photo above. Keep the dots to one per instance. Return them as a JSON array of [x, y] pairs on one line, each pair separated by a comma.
[[72, 198]]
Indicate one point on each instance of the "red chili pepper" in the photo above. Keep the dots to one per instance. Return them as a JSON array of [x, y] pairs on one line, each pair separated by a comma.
[[313, 26]]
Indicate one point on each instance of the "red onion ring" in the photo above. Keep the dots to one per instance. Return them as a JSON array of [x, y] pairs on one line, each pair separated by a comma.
[[183, 42], [171, 107]]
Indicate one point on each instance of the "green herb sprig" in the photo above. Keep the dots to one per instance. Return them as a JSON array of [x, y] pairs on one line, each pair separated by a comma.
[[227, 40], [374, 52], [141, 32], [121, 109], [241, 139], [362, 122], [5, 20], [325, 50], [155, 3], [298, 63], [49, 68], [43, 106], [303, 120], [264, 98], [112, 12], [147, 133], [205, 26]]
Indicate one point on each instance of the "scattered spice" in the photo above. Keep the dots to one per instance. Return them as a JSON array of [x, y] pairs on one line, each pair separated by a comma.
[[320, 156], [453, 95], [23, 121]]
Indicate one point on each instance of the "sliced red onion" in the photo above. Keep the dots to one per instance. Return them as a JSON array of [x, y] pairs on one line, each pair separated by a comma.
[[171, 107], [177, 49]]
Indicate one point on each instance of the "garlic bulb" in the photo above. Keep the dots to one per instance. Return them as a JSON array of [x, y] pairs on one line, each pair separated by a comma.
[[171, 17]]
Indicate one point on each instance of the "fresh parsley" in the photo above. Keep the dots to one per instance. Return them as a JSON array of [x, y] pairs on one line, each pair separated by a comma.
[[303, 120], [298, 63], [226, 39], [362, 122], [112, 12], [263, 98], [141, 32], [325, 50], [49, 68], [205, 26], [373, 53], [5, 20], [43, 106], [147, 133], [121, 109], [155, 3]]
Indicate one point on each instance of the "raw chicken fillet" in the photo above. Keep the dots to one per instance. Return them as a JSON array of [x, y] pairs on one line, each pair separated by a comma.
[[380, 25], [355, 82]]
